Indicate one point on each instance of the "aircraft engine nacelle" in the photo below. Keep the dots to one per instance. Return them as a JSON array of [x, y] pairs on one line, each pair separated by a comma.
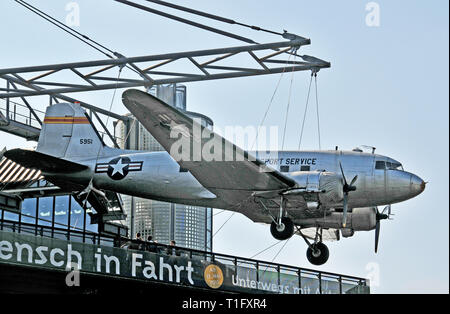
[[360, 219], [328, 185], [363, 219]]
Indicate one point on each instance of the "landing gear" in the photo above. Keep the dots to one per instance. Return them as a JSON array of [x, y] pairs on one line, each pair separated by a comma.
[[284, 230], [318, 254]]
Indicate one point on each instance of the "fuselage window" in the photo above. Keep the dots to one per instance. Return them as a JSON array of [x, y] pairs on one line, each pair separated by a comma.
[[284, 168], [305, 168], [381, 165]]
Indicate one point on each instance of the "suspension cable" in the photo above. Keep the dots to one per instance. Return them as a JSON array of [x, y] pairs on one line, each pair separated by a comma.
[[212, 16], [278, 253], [271, 101], [65, 28], [223, 224], [110, 108], [271, 246], [230, 208], [203, 26], [304, 115], [288, 106], [185, 21], [281, 249], [221, 212], [101, 147], [71, 31], [317, 110]]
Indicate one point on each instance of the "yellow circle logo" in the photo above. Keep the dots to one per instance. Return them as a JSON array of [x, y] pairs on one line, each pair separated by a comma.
[[213, 276]]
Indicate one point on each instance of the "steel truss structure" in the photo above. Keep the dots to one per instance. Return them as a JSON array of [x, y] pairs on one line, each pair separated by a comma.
[[96, 76]]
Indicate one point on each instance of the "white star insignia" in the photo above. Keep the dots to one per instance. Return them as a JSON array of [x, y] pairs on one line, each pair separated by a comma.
[[118, 167]]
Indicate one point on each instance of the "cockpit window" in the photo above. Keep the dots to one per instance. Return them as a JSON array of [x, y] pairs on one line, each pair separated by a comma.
[[381, 165], [394, 166]]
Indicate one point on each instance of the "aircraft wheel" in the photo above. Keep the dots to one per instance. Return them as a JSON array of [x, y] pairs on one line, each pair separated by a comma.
[[318, 254], [284, 231]]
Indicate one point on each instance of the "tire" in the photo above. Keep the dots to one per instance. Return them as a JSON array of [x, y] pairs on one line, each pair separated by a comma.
[[319, 255], [286, 232]]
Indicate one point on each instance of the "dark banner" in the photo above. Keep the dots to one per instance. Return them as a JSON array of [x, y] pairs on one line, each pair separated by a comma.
[[198, 271]]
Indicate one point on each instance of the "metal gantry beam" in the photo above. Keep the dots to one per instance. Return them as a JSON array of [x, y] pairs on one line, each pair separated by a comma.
[[25, 82], [37, 85]]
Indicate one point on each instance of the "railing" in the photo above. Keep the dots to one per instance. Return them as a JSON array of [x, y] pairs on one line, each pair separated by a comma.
[[256, 270], [58, 233], [259, 267], [20, 113]]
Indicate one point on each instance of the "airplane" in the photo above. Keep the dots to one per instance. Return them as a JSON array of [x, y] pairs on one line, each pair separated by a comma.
[[297, 192]]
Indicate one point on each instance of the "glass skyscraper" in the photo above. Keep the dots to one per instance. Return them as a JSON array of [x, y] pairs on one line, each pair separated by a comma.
[[189, 226]]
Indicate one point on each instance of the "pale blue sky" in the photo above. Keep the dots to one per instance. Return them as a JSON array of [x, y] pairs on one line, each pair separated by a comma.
[[387, 87]]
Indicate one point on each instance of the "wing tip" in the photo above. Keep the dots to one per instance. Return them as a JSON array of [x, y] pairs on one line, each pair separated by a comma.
[[138, 101], [132, 99], [130, 92]]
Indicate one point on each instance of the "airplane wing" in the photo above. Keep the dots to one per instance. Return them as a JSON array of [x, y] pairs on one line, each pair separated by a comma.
[[215, 162]]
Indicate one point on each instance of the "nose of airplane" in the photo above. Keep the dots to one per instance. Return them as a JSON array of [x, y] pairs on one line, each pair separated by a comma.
[[417, 184]]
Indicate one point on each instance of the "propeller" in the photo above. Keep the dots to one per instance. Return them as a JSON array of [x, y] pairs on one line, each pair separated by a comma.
[[347, 188], [385, 214]]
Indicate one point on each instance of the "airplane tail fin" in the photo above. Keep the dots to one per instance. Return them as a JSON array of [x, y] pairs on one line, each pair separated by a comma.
[[68, 133]]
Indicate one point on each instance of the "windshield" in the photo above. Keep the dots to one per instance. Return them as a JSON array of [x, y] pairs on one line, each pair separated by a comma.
[[380, 164], [394, 166]]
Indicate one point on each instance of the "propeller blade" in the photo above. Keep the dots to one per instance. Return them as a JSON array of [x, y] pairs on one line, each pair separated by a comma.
[[354, 180], [347, 188], [343, 175], [383, 215], [344, 216], [377, 235]]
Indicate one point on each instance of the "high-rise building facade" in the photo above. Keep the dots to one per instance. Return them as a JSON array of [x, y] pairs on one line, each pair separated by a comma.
[[189, 226]]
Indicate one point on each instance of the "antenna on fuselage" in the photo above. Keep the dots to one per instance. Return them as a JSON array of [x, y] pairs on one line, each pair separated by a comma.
[[371, 147]]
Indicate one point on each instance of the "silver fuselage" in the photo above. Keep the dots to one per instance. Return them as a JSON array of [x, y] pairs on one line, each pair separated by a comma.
[[161, 178]]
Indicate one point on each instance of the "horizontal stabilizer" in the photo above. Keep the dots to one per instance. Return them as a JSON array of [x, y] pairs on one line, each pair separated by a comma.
[[45, 163]]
